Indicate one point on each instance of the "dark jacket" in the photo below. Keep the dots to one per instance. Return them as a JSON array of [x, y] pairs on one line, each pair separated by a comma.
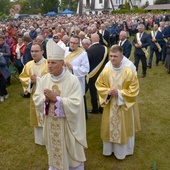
[[27, 54], [95, 55], [4, 70], [145, 40], [159, 39], [127, 46], [6, 52]]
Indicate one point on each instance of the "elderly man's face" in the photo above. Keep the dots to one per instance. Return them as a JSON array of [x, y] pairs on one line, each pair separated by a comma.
[[55, 67]]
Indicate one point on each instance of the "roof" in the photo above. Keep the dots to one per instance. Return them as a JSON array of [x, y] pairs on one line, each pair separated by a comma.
[[157, 7]]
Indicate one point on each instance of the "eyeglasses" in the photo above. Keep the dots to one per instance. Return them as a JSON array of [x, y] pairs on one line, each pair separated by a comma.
[[35, 51], [73, 42], [55, 37]]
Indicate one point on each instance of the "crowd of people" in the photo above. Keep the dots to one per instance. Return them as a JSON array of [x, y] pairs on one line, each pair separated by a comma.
[[59, 58]]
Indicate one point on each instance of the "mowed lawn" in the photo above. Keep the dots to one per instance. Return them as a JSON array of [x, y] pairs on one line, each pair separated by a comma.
[[152, 145]]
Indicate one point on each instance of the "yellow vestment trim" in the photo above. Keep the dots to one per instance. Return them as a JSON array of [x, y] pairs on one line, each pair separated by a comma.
[[156, 43], [105, 42], [163, 38], [97, 68], [73, 54], [139, 42]]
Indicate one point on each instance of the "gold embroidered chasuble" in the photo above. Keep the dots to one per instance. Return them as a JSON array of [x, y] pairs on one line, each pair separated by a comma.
[[117, 121], [40, 68], [65, 138]]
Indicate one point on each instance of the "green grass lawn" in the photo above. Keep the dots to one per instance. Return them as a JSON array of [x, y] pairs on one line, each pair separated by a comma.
[[152, 146]]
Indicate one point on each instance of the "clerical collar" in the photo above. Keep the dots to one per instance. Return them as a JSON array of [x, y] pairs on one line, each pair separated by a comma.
[[59, 76], [39, 62]]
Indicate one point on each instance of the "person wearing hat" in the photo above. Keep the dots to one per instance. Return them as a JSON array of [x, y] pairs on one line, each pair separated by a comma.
[[32, 71], [59, 96]]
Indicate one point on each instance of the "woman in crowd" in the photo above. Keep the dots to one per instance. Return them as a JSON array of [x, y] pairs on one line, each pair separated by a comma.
[[17, 52]]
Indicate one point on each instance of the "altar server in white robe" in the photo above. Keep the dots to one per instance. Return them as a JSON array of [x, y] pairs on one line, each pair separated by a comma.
[[59, 96], [118, 88], [76, 60]]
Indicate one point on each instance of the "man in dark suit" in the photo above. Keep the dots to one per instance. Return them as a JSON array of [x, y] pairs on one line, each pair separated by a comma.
[[141, 42], [155, 45], [27, 53], [97, 55], [125, 44], [165, 30], [104, 36]]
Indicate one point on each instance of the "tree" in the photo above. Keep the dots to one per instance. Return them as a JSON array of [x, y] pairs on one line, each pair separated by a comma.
[[4, 6], [162, 2], [69, 4], [49, 5], [146, 4]]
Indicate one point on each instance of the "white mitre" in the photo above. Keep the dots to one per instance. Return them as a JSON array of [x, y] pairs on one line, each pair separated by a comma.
[[54, 51]]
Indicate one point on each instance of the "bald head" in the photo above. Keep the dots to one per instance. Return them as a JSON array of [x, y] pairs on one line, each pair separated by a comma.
[[122, 35], [95, 38]]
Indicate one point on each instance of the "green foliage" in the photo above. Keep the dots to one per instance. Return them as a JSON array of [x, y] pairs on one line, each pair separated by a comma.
[[49, 5], [126, 6], [127, 11], [146, 4], [5, 6], [69, 4], [162, 2]]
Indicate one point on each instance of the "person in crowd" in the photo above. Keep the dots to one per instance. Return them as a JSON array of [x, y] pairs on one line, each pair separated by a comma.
[[167, 60], [6, 52], [4, 75], [104, 36], [125, 44], [118, 29], [17, 53], [41, 40], [112, 33], [97, 55], [59, 96], [86, 43], [27, 53], [155, 45], [58, 39], [66, 40], [33, 33], [118, 89], [141, 41], [166, 33], [76, 60], [31, 73]]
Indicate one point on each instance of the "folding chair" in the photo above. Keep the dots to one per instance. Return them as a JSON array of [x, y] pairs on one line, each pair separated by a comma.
[[14, 71]]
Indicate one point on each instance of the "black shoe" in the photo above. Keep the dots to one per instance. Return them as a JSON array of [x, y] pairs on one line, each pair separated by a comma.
[[149, 66], [101, 110], [144, 75], [25, 95], [93, 111]]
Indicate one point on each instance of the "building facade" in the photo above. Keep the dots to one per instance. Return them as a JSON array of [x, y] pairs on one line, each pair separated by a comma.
[[109, 5]]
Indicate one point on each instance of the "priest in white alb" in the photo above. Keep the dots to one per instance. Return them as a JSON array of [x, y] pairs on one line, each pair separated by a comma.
[[59, 96], [118, 88]]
